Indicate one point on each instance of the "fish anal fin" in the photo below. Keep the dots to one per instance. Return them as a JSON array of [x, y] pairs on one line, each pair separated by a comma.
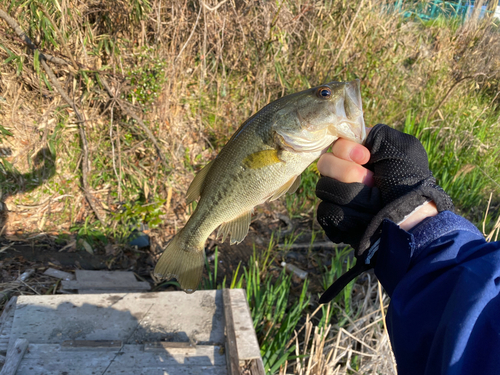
[[194, 190], [237, 227], [261, 159], [291, 186]]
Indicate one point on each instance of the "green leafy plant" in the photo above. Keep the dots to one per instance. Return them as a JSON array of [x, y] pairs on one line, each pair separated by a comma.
[[147, 79], [133, 216]]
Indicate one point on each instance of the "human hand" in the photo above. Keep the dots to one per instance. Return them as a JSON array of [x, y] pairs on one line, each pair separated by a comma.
[[345, 164], [358, 194], [346, 191]]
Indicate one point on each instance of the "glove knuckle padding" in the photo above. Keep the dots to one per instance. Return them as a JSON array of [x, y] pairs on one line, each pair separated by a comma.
[[354, 194], [329, 215], [341, 223], [401, 172], [332, 190], [398, 160]]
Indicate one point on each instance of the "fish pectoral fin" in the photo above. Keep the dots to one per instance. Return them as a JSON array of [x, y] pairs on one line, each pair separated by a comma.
[[291, 186], [261, 159], [194, 190], [237, 227], [295, 185]]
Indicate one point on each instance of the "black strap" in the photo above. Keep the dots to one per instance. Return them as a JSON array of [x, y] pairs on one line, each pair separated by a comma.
[[343, 280]]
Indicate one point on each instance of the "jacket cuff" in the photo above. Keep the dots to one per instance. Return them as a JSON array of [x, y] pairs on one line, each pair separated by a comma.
[[398, 248]]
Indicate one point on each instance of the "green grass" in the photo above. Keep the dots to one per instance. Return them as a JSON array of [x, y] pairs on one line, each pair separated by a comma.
[[462, 157], [275, 313], [278, 314]]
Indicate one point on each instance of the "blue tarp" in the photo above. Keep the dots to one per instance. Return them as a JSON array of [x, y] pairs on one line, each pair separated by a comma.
[[432, 9]]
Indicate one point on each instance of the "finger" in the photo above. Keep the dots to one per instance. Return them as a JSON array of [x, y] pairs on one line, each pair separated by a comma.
[[351, 151], [344, 170]]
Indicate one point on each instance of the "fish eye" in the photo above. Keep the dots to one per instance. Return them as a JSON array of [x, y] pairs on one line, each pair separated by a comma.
[[324, 92]]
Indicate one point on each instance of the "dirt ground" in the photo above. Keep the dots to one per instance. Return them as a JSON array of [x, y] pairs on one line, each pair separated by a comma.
[[20, 253]]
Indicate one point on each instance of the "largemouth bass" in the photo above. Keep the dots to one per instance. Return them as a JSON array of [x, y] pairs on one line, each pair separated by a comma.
[[262, 161]]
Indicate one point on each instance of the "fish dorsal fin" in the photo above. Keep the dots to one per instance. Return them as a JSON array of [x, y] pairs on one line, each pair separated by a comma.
[[261, 159], [237, 227], [291, 186], [196, 186]]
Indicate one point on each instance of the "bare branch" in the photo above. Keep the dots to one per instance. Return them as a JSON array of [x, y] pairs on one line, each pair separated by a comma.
[[59, 34], [85, 163], [125, 108], [83, 138]]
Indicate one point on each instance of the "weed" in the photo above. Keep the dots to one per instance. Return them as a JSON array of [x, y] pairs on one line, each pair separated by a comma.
[[147, 79], [134, 216], [275, 315], [461, 166], [341, 262]]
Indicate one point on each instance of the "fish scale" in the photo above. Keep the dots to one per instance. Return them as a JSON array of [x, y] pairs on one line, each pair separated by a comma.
[[262, 161]]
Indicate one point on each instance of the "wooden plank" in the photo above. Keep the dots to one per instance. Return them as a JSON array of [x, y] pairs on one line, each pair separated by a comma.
[[131, 318], [113, 345], [161, 346], [246, 340], [96, 285], [48, 359], [109, 291], [6, 321], [257, 367], [106, 277], [59, 274], [14, 357], [233, 363], [105, 281], [8, 313]]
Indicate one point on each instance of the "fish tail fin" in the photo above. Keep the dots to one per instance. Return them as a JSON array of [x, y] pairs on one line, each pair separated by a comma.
[[183, 262]]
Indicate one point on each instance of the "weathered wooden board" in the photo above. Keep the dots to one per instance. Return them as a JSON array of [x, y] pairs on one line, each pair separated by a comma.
[[246, 340], [6, 321], [131, 359], [231, 346], [172, 346], [110, 345], [14, 357], [169, 333], [59, 274], [131, 318], [105, 281]]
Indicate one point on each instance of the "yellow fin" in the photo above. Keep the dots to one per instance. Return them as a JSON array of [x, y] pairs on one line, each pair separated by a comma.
[[261, 159], [183, 263], [237, 227], [291, 186], [196, 186], [295, 185]]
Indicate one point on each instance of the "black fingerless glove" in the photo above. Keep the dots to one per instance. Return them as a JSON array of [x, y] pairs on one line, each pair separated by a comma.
[[352, 213]]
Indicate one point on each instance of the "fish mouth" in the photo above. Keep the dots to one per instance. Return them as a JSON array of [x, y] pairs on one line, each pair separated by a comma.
[[352, 125], [352, 130]]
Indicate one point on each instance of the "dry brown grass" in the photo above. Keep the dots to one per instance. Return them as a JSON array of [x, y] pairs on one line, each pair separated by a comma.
[[221, 64], [361, 346]]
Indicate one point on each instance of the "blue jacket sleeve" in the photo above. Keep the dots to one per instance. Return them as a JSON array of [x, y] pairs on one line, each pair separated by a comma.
[[444, 283]]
